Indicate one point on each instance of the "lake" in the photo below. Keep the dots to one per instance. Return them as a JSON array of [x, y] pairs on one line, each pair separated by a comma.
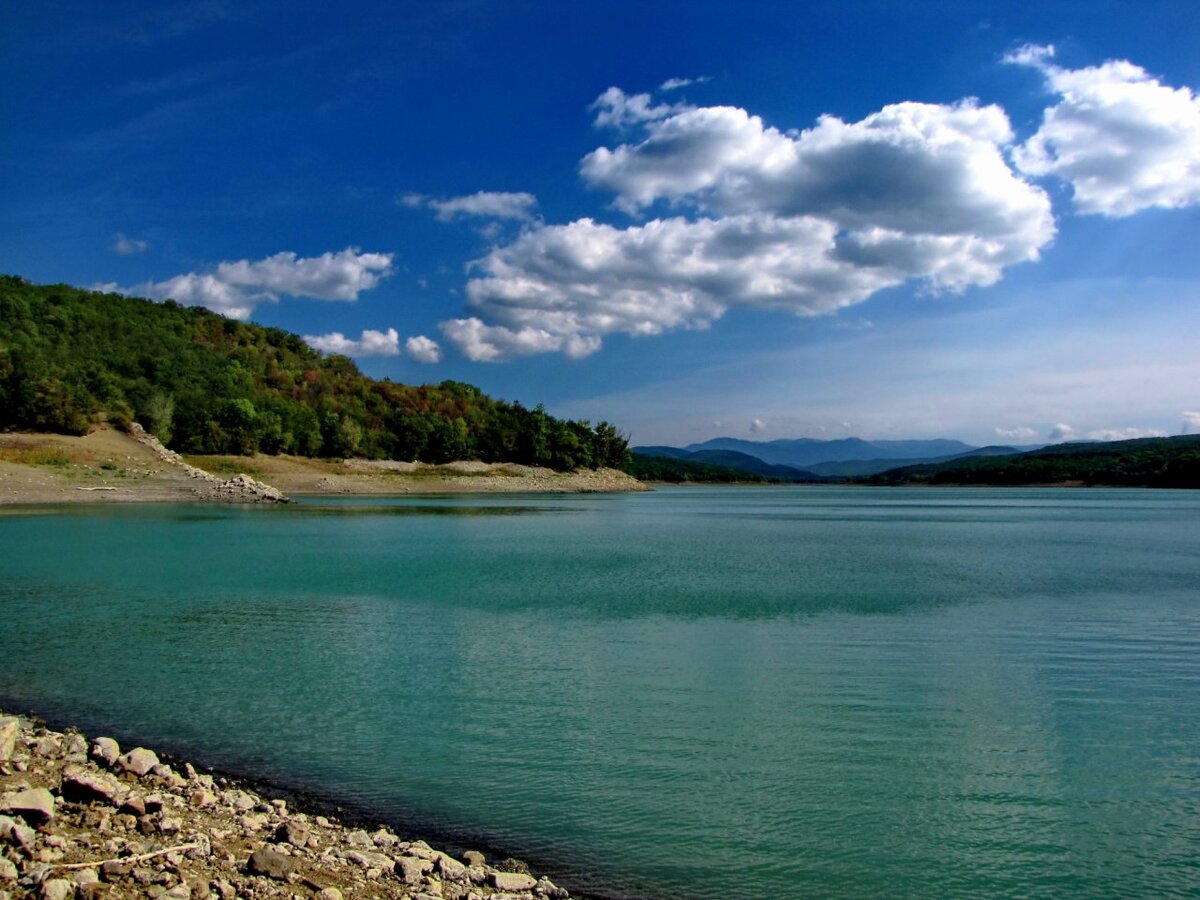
[[695, 693]]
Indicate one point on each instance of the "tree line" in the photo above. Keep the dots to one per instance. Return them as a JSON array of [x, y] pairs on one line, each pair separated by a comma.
[[205, 384]]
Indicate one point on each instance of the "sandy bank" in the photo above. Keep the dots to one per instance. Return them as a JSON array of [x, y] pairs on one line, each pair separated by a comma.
[[108, 466], [84, 818]]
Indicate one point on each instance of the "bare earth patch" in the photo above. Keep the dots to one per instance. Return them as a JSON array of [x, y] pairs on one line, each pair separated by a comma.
[[109, 466]]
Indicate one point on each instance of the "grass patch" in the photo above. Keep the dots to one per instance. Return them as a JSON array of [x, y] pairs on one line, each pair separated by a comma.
[[36, 456], [225, 465]]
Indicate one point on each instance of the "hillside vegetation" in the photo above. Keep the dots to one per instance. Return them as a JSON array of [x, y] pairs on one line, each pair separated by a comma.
[[205, 384], [1172, 462]]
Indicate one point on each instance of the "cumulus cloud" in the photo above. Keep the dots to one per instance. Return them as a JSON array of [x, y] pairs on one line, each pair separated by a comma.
[[518, 206], [235, 288], [1122, 139], [806, 223], [127, 246], [1124, 434], [423, 349], [757, 426], [372, 343], [1020, 433], [1191, 422]]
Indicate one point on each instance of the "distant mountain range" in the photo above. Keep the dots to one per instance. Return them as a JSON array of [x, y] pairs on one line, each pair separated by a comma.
[[811, 459], [1172, 462]]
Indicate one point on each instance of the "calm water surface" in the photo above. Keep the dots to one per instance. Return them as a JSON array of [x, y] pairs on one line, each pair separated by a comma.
[[695, 693]]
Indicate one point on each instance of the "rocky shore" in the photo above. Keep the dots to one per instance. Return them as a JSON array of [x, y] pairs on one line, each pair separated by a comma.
[[86, 818]]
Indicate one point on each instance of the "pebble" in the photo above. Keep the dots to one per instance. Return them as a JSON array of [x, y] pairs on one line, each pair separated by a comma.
[[152, 832]]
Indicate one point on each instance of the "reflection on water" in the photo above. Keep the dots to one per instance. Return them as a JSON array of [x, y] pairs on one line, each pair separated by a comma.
[[695, 693]]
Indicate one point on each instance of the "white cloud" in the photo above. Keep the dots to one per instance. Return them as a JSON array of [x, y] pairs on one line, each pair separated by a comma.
[[235, 288], [480, 342], [616, 109], [126, 246], [757, 426], [1020, 433], [423, 349], [806, 223], [1124, 434], [674, 84], [372, 343], [1062, 432], [1123, 140], [1191, 420], [518, 206]]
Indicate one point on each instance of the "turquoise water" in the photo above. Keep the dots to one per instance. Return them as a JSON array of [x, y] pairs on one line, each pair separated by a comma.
[[693, 693]]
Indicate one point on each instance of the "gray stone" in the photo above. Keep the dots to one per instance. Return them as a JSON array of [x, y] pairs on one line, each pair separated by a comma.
[[548, 888], [474, 858], [240, 800], [8, 871], [409, 870], [329, 893], [513, 881], [9, 729], [223, 889], [358, 838], [35, 805], [449, 867], [74, 745], [181, 891], [112, 869], [85, 876], [295, 834], [368, 860], [139, 761], [81, 784], [57, 889], [105, 751], [271, 864]]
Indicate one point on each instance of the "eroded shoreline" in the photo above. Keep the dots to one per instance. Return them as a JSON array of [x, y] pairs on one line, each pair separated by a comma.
[[109, 466], [84, 817]]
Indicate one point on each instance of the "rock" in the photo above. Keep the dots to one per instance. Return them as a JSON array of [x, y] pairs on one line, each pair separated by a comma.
[[112, 869], [449, 867], [9, 729], [74, 745], [57, 889], [513, 881], [358, 838], [548, 888], [139, 761], [85, 876], [408, 869], [329, 893], [474, 858], [253, 821], [202, 798], [223, 889], [83, 785], [105, 751], [293, 833], [47, 746], [181, 891], [369, 860], [8, 870], [271, 864], [35, 805], [240, 800], [133, 805]]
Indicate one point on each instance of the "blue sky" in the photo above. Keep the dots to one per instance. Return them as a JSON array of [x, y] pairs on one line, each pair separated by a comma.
[[770, 220]]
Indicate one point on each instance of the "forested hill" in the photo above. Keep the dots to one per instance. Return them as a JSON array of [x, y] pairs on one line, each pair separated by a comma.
[[206, 384], [1171, 462]]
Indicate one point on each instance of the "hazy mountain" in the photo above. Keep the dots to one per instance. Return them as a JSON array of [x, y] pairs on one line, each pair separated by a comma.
[[807, 452]]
